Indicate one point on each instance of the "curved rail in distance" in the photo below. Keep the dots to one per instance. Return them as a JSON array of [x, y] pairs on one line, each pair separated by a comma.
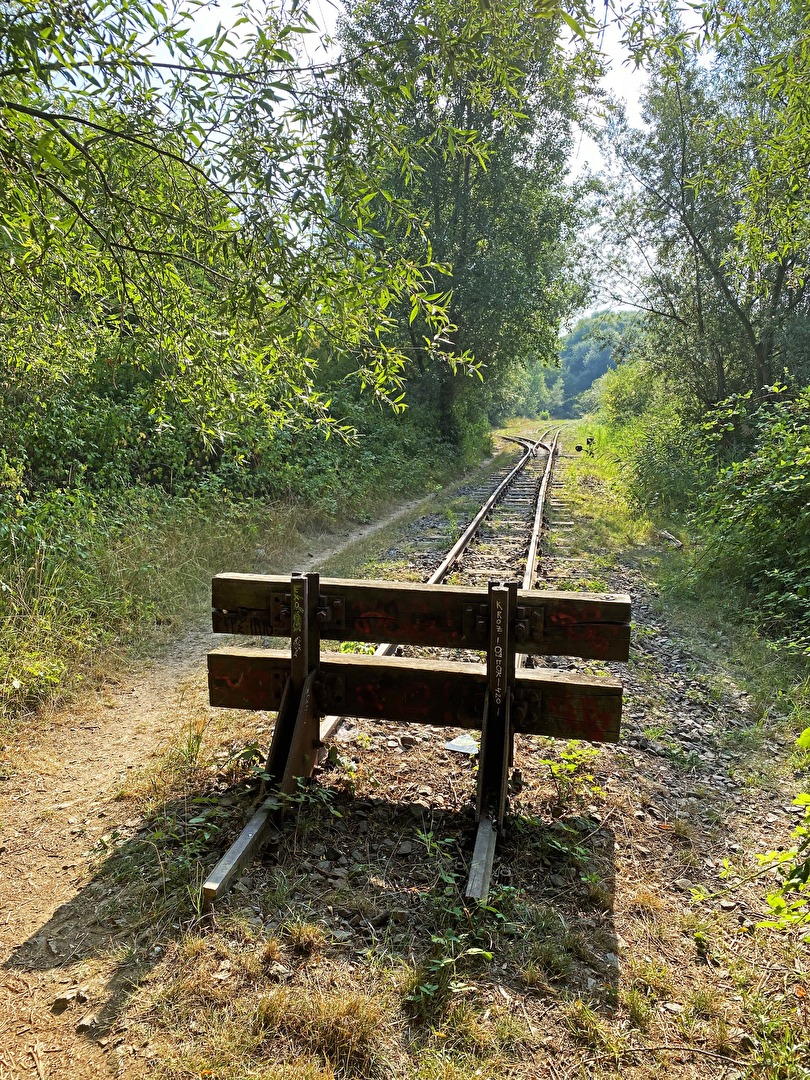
[[463, 542]]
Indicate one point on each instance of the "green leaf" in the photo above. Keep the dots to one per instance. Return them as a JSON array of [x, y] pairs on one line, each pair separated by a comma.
[[572, 23]]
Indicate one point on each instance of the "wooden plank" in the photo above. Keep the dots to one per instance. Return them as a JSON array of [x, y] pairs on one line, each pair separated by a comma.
[[591, 625], [443, 693]]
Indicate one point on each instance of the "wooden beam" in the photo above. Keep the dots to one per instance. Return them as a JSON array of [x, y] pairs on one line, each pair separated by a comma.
[[590, 625], [442, 693]]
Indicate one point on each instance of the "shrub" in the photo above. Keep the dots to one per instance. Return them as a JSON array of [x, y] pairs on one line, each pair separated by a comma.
[[756, 515]]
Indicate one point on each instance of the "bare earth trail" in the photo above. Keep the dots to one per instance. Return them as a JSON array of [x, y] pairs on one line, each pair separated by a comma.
[[59, 802], [60, 793], [656, 985]]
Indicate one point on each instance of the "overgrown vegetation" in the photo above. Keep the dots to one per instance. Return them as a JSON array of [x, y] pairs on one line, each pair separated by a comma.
[[223, 244], [585, 354], [711, 406], [709, 412], [88, 568]]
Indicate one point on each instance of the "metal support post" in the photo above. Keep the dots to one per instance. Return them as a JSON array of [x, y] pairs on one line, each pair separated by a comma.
[[496, 735], [298, 708], [293, 749]]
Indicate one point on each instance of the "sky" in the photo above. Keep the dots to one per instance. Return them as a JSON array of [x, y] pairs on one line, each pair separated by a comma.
[[625, 83]]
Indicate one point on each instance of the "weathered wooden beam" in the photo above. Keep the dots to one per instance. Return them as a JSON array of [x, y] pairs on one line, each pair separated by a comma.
[[591, 625], [442, 693]]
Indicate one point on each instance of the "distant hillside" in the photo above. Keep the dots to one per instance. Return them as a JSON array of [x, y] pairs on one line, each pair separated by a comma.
[[587, 352]]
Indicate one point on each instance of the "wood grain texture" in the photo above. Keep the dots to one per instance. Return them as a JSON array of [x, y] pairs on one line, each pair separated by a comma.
[[442, 693], [594, 626]]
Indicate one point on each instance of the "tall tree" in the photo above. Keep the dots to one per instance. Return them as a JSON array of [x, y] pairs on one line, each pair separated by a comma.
[[176, 184], [723, 318], [484, 175]]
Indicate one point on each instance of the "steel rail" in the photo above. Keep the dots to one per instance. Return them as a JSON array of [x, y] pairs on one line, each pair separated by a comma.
[[463, 542], [486, 837], [523, 442], [534, 546], [537, 528], [330, 724]]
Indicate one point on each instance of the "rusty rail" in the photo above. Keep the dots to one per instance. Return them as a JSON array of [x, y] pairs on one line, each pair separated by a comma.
[[534, 546], [330, 724], [490, 817]]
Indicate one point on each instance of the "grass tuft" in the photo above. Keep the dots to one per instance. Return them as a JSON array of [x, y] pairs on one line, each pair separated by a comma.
[[343, 1030], [638, 1008], [306, 938], [272, 951], [589, 1028]]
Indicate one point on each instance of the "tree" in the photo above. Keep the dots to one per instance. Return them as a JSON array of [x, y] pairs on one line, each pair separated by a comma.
[[223, 195], [482, 168], [592, 348], [720, 321], [207, 196]]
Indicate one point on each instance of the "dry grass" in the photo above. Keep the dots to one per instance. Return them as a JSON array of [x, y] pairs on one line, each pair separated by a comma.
[[272, 951], [645, 902], [306, 938], [651, 977], [344, 1030]]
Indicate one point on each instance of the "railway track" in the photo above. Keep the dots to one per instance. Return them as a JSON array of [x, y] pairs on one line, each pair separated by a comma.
[[503, 538], [435, 628], [501, 541]]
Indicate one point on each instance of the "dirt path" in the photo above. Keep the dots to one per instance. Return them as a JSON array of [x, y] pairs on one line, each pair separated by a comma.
[[62, 791], [609, 969], [60, 804]]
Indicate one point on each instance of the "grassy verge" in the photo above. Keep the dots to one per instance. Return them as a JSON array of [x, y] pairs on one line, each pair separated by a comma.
[[711, 617], [88, 580], [104, 579]]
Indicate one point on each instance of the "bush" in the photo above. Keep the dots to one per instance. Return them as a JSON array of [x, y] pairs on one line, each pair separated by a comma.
[[756, 515], [665, 451]]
